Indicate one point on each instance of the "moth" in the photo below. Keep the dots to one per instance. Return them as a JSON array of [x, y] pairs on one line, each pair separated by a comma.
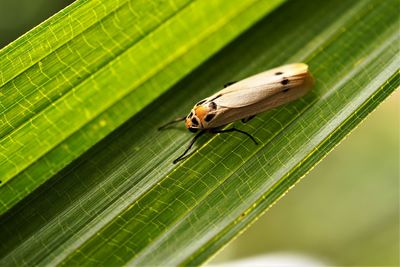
[[244, 99]]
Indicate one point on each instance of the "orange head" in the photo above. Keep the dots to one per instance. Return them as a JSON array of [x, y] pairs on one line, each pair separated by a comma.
[[199, 116]]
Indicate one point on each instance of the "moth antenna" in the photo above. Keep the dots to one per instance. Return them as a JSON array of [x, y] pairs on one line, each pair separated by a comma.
[[171, 122]]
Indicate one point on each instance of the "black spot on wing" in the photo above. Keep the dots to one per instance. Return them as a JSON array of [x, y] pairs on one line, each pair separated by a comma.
[[209, 117], [228, 84], [278, 73], [195, 121], [285, 81], [216, 97], [200, 102], [212, 105]]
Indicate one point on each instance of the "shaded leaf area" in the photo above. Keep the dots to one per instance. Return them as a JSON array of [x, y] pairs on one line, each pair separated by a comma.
[[95, 65], [124, 202]]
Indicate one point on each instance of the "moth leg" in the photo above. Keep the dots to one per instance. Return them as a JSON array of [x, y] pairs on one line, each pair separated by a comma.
[[181, 157], [230, 83], [244, 120], [233, 129], [172, 122]]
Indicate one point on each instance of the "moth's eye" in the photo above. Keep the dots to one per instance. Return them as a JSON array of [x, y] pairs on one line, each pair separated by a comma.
[[209, 117], [212, 106], [194, 121], [201, 102], [193, 130], [278, 73]]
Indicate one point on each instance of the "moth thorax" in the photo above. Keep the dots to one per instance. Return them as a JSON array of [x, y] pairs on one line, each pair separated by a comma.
[[201, 112]]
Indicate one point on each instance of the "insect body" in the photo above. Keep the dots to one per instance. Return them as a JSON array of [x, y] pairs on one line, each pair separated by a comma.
[[246, 98]]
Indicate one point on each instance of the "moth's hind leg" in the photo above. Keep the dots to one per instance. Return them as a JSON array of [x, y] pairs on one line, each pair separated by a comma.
[[233, 129], [247, 119], [172, 122]]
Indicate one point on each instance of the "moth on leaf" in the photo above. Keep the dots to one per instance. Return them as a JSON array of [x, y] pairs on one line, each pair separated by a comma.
[[244, 99]]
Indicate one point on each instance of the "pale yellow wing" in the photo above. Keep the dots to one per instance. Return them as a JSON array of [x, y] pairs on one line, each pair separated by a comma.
[[261, 86], [260, 92]]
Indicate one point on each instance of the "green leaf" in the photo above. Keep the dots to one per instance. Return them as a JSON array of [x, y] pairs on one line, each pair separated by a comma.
[[80, 75], [124, 202]]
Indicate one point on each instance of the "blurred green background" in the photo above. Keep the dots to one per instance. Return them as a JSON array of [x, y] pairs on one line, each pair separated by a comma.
[[19, 16], [359, 226]]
